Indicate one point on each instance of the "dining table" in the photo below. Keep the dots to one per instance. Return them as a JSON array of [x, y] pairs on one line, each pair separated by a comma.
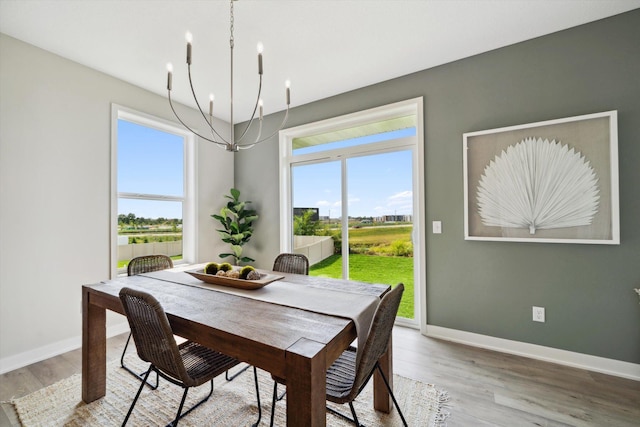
[[294, 327]]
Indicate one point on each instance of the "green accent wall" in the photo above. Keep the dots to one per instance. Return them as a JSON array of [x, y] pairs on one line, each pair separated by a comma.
[[489, 287]]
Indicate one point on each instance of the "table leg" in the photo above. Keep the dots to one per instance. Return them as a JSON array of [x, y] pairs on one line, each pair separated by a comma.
[[94, 349], [306, 384], [381, 397]]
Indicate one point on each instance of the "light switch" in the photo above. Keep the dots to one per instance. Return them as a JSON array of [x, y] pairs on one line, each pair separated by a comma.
[[437, 227]]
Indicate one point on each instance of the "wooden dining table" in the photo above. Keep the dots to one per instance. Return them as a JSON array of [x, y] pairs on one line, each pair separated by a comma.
[[294, 344]]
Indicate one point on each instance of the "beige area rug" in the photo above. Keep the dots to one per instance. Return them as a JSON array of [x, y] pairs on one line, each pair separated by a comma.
[[232, 404]]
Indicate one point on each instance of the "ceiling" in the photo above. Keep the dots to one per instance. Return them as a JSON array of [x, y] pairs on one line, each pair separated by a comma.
[[325, 47]]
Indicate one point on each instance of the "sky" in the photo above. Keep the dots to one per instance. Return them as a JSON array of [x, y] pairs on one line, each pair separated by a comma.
[[376, 185], [150, 161]]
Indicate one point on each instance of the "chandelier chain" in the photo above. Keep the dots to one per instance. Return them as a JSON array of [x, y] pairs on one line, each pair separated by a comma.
[[231, 22]]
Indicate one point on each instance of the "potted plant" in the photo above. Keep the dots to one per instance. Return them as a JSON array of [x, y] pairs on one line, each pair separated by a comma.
[[237, 221]]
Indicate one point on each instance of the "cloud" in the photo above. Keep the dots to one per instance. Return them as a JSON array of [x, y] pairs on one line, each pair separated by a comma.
[[401, 196]]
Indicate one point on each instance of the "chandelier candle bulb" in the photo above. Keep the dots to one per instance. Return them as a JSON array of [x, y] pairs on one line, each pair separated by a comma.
[[169, 75], [189, 38], [211, 98], [287, 84], [260, 50]]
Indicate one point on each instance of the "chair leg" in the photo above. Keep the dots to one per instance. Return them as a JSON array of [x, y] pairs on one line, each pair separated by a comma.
[[282, 395], [178, 416], [231, 378], [124, 350], [395, 402], [273, 402], [131, 371], [255, 377], [355, 417], [204, 399], [124, 423]]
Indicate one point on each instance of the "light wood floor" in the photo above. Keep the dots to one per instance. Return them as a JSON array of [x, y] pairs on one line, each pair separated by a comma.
[[486, 388]]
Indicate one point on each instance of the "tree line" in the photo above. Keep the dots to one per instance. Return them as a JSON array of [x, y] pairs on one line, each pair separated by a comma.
[[136, 221]]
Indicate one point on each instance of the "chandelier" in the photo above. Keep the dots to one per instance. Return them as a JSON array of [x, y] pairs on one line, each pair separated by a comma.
[[232, 144]]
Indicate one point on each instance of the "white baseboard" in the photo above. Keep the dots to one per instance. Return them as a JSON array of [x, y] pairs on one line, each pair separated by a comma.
[[41, 353], [534, 351]]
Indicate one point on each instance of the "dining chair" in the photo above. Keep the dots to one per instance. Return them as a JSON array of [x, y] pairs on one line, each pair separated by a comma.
[[186, 365], [148, 263], [291, 263], [139, 265], [349, 374], [284, 263]]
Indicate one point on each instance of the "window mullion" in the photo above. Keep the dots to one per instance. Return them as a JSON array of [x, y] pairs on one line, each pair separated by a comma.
[[345, 220], [143, 196]]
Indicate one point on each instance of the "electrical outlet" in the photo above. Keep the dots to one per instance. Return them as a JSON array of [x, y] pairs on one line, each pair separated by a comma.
[[538, 314]]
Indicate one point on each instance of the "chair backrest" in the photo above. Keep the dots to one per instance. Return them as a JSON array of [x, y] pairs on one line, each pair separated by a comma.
[[291, 263], [148, 263], [378, 339], [152, 333]]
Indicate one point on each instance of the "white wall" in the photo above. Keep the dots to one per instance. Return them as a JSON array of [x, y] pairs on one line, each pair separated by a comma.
[[55, 182]]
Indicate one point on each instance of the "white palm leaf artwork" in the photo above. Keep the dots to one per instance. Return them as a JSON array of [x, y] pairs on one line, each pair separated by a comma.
[[537, 184]]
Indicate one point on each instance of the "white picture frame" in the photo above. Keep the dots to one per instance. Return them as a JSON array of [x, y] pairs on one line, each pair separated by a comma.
[[553, 181]]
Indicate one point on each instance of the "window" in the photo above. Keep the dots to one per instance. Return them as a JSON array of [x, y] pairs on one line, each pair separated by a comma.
[[351, 191], [153, 202]]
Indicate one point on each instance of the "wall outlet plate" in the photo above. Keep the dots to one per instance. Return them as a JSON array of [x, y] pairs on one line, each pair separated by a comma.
[[538, 314]]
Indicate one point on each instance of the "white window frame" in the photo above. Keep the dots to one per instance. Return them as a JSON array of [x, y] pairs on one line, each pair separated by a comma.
[[288, 158], [188, 199]]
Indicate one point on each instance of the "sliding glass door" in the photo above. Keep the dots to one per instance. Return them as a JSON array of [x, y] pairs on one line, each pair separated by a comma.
[[353, 218], [351, 192]]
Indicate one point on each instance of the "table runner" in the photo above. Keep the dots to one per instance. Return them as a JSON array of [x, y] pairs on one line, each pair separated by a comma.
[[357, 307]]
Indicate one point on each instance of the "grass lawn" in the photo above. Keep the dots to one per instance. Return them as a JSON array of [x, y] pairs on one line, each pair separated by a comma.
[[379, 235], [373, 269]]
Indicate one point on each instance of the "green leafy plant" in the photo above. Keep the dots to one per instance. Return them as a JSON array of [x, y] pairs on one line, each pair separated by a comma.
[[237, 220], [304, 225]]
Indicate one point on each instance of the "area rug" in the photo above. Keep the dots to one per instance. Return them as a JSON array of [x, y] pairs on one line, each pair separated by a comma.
[[232, 404]]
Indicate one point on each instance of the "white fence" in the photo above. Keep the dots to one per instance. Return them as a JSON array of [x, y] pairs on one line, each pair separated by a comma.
[[316, 248], [127, 252]]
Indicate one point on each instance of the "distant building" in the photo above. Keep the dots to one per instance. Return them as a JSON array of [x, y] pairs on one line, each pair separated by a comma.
[[397, 218]]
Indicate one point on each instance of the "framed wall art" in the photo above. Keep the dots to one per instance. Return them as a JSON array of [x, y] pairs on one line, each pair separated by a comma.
[[554, 182]]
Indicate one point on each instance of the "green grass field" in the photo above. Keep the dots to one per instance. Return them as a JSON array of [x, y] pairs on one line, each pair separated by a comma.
[[379, 235], [373, 269]]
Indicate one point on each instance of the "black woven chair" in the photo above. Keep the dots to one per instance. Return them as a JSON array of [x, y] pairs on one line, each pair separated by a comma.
[[139, 265], [346, 377], [148, 263], [187, 365], [291, 263]]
